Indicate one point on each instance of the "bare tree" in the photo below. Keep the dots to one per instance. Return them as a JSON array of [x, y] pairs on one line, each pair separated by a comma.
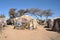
[[47, 13], [40, 13], [26, 11], [33, 10], [21, 12], [12, 12], [36, 11]]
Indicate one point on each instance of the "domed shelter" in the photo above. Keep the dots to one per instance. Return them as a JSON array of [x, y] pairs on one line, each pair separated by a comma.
[[26, 21]]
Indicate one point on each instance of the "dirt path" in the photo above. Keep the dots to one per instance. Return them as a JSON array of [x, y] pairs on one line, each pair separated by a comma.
[[39, 34]]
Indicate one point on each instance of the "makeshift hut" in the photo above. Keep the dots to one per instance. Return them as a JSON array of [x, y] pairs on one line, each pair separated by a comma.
[[26, 21], [54, 24]]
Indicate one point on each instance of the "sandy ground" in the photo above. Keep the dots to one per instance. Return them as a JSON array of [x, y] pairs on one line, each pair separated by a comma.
[[39, 34]]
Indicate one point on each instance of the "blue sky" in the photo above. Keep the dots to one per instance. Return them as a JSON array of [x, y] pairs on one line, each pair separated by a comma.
[[54, 5]]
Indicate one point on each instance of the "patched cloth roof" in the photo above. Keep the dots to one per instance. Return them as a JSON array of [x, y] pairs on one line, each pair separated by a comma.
[[24, 18]]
